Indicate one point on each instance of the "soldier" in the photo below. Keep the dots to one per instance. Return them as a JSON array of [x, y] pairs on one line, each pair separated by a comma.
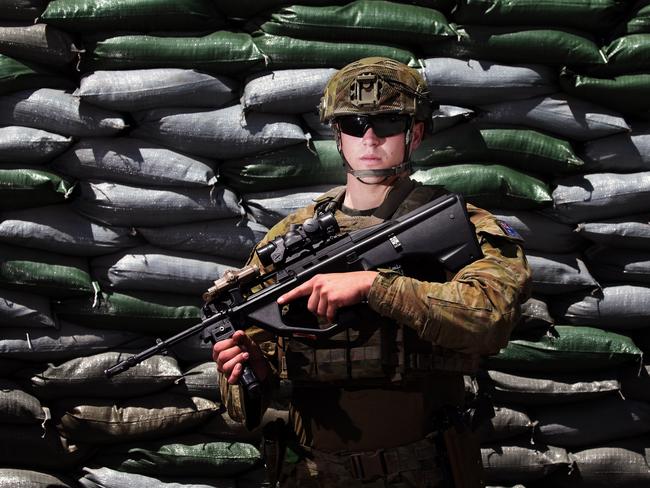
[[372, 406]]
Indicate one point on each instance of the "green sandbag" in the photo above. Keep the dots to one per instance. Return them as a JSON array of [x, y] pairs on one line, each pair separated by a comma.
[[624, 93], [591, 15], [136, 312], [220, 52], [573, 349], [23, 188], [628, 54], [43, 273], [281, 52], [525, 149], [374, 21], [195, 455], [489, 186], [640, 23], [16, 76], [519, 45], [292, 167], [140, 15], [21, 9]]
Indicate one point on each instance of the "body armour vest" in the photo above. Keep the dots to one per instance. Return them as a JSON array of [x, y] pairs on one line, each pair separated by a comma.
[[373, 350]]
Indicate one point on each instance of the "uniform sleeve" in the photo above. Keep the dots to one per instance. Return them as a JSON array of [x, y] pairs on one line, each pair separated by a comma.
[[475, 311]]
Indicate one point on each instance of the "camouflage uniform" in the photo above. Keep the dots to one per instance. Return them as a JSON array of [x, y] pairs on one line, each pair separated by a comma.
[[385, 425]]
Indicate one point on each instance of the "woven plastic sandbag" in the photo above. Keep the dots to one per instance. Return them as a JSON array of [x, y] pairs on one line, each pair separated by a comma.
[[133, 162], [292, 167], [18, 406], [523, 463], [20, 309], [370, 21], [508, 422], [489, 185], [618, 307], [525, 149], [535, 319], [58, 228], [140, 15], [41, 272], [24, 188], [584, 198], [103, 477], [285, 91], [121, 205], [628, 54], [628, 232], [560, 114], [639, 23], [143, 89], [13, 478], [221, 133], [620, 153], [576, 349], [24, 145], [60, 112], [612, 265], [283, 52], [17, 75], [40, 43], [519, 45], [147, 268], [556, 274], [22, 9], [474, 82], [221, 52]]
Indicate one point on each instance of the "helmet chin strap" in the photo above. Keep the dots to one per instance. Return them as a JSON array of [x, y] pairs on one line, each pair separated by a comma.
[[386, 173]]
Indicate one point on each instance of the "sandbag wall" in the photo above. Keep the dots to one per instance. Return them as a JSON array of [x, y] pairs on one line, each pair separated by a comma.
[[144, 149]]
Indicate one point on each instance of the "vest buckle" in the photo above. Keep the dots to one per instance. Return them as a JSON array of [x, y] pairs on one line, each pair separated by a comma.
[[367, 466]]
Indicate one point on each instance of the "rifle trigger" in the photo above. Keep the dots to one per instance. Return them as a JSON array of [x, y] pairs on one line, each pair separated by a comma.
[[352, 258]]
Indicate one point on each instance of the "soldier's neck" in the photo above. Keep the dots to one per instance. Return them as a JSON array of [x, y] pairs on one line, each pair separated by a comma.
[[362, 196]]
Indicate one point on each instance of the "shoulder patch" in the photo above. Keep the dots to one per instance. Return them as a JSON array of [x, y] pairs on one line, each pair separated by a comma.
[[509, 230]]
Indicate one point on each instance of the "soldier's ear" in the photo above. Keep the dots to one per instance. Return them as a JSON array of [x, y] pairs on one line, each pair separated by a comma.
[[418, 134]]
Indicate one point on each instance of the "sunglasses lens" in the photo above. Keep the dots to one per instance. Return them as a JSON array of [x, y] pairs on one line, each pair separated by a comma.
[[382, 125]]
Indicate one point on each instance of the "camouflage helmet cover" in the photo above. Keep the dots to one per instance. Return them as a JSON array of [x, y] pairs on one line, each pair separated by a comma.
[[376, 85]]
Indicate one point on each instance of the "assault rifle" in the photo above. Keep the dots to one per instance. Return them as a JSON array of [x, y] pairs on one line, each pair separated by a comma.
[[439, 230]]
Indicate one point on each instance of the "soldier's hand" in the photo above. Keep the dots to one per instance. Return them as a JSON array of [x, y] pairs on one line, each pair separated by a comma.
[[329, 292], [231, 354]]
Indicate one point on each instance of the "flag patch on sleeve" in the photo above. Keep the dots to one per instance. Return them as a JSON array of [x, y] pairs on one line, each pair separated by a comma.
[[509, 230]]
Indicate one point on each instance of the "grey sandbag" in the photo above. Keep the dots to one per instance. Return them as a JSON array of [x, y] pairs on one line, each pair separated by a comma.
[[623, 464], [67, 342], [58, 228], [474, 82], [25, 145], [619, 307], [534, 317], [85, 377], [41, 272], [291, 91], [282, 52], [590, 197], [148, 268], [60, 112], [189, 455], [229, 238], [18, 406], [111, 478], [514, 44], [125, 205], [369, 21], [446, 116], [27, 187], [17, 478], [134, 90], [221, 52], [612, 265], [22, 9], [41, 43], [619, 153], [569, 348], [104, 421], [141, 15], [317, 128], [508, 422], [524, 149], [297, 166], [268, 208], [221, 133], [133, 162], [637, 386], [522, 463], [18, 75], [550, 389], [628, 232], [561, 114], [489, 185], [557, 274], [539, 232], [142, 312], [200, 380], [19, 309], [572, 425]]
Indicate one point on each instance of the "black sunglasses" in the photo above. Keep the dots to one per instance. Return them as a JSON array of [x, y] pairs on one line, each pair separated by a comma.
[[383, 125]]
